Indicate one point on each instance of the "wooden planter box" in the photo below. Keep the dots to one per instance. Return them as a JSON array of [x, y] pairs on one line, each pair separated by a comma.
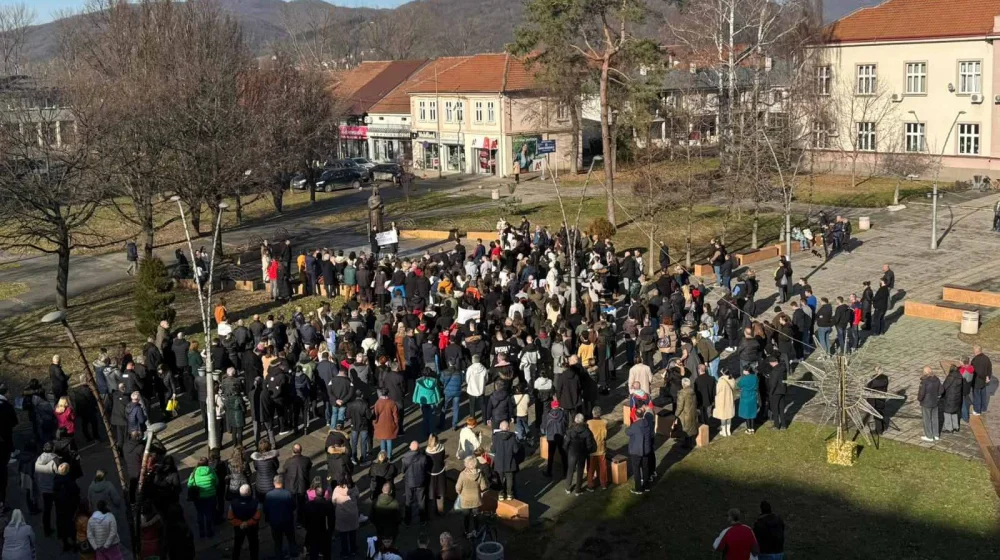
[[763, 254], [247, 285], [704, 270]]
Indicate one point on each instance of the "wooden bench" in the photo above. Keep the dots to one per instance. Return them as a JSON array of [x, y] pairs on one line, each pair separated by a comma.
[[963, 294], [943, 311], [753, 256], [704, 270]]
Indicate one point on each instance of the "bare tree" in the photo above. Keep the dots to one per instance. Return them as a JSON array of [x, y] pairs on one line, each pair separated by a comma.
[[48, 193], [14, 22], [860, 118], [393, 35], [319, 38]]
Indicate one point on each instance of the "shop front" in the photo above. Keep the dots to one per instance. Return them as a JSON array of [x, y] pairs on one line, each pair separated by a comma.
[[453, 147], [390, 144], [484, 150], [353, 141]]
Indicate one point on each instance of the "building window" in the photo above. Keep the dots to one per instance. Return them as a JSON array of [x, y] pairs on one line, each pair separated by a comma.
[[434, 111], [459, 112], [423, 110], [913, 136], [447, 111], [970, 76], [67, 133], [866, 137], [479, 111], [968, 139], [916, 77], [866, 79], [821, 135], [562, 112], [824, 80], [491, 115]]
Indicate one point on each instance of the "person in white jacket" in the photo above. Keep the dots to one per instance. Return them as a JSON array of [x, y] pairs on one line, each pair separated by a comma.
[[102, 533], [468, 439], [475, 382]]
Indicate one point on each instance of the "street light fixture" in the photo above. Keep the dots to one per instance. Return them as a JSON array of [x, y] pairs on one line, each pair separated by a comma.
[[937, 174], [91, 383], [205, 306]]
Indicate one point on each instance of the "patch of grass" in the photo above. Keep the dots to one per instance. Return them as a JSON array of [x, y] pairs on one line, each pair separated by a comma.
[[430, 200], [836, 190], [988, 336], [10, 290], [104, 317], [898, 502]]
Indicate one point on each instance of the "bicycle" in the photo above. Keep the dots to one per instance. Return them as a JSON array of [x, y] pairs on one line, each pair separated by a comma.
[[484, 530]]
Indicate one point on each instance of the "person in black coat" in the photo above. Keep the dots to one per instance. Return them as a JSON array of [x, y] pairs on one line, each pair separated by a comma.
[[841, 320], [506, 458], [929, 397], [579, 443], [317, 516], [133, 450], [296, 477], [59, 379], [704, 390], [416, 476], [570, 391], [777, 388], [951, 400], [8, 419], [880, 303], [783, 279], [394, 385], [879, 383], [500, 406]]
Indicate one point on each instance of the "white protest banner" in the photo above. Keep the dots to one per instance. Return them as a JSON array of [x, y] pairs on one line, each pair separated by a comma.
[[387, 238], [465, 314]]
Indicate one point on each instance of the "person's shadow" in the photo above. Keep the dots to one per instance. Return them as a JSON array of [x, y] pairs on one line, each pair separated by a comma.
[[896, 298]]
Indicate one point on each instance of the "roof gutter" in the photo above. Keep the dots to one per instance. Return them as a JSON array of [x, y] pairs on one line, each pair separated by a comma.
[[905, 40]]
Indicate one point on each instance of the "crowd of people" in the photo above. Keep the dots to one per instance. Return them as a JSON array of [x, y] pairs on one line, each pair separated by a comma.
[[496, 342]]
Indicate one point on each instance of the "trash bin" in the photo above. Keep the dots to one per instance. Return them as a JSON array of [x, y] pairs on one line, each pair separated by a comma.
[[864, 223], [489, 551], [970, 322]]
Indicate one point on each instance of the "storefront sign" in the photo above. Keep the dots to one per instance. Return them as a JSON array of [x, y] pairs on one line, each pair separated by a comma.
[[348, 132]]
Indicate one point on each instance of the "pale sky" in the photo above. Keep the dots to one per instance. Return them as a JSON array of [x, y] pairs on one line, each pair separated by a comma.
[[47, 10]]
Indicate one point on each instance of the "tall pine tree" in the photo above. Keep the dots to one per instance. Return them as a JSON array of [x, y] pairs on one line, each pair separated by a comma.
[[153, 296]]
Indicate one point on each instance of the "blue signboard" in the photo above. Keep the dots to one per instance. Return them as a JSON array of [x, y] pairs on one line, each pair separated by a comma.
[[546, 146]]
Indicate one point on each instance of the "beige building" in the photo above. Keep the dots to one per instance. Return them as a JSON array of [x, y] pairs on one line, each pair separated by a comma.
[[479, 114], [912, 77]]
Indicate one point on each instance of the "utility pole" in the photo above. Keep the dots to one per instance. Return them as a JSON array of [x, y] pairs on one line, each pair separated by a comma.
[[937, 174], [437, 120]]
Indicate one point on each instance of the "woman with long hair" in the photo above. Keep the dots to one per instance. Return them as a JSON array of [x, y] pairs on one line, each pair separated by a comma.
[[65, 416], [18, 539], [347, 518], [435, 451]]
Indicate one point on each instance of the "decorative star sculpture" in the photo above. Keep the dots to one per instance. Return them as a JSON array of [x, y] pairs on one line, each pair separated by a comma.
[[844, 392]]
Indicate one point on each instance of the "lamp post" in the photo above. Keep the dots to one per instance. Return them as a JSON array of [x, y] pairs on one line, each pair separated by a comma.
[[937, 174], [88, 378], [151, 431], [205, 306], [91, 383], [574, 239]]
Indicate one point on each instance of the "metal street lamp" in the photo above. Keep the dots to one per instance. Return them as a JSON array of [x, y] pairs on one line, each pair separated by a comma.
[[937, 174], [205, 306]]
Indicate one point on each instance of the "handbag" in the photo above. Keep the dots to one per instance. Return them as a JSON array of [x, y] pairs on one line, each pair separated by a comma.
[[171, 405]]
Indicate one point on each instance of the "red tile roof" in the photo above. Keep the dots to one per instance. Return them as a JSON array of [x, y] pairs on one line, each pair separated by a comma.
[[481, 73], [915, 19], [397, 102], [362, 87]]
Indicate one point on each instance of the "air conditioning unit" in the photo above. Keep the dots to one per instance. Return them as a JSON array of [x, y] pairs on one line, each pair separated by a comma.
[[996, 99], [896, 98], [976, 98]]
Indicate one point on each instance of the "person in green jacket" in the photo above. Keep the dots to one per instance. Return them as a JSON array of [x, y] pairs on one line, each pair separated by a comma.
[[427, 395], [201, 486]]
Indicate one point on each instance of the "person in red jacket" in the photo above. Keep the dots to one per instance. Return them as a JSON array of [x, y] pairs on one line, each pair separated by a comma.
[[736, 542]]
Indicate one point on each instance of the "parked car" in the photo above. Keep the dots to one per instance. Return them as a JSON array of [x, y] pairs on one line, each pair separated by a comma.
[[364, 162], [298, 182], [335, 178], [348, 164], [387, 172]]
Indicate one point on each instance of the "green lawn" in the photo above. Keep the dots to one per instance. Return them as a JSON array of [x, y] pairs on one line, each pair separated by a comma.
[[875, 192], [104, 318], [897, 502], [10, 290]]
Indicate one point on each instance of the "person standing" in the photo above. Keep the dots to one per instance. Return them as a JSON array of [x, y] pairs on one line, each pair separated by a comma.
[[360, 415], [67, 498], [824, 324], [131, 257], [929, 397], [317, 517], [202, 487], [8, 419], [579, 445], [638, 448], [244, 516], [982, 371], [783, 278], [687, 413], [769, 530], [748, 386], [18, 539], [279, 512], [554, 428], [416, 470], [597, 464], [506, 451], [59, 379], [346, 515], [386, 421], [296, 477], [102, 534], [777, 377], [470, 487], [880, 303], [475, 384], [951, 400], [704, 389], [736, 542], [435, 452]]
